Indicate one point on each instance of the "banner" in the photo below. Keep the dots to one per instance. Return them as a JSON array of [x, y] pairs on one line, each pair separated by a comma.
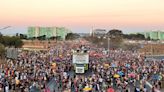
[[80, 58], [80, 70]]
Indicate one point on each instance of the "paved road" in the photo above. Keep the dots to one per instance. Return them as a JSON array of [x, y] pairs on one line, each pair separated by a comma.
[[53, 84]]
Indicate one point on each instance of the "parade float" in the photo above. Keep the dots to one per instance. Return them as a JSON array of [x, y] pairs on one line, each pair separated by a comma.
[[80, 60]]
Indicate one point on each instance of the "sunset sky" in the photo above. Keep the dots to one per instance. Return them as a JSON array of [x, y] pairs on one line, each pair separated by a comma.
[[82, 15]]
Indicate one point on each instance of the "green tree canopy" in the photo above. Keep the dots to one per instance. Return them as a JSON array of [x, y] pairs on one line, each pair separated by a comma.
[[116, 38], [134, 36], [11, 41], [114, 32], [72, 36]]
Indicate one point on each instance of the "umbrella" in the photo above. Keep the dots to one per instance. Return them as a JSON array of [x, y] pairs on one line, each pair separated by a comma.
[[113, 65], [110, 90], [120, 73], [133, 75], [116, 76], [87, 89]]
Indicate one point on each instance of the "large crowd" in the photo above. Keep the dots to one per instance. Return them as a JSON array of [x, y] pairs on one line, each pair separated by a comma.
[[115, 71]]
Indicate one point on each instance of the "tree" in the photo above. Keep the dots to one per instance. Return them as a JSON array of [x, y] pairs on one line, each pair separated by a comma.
[[43, 37], [72, 36], [140, 36], [6, 41], [23, 36], [116, 38], [1, 34], [1, 38], [17, 34], [115, 32], [148, 38], [134, 36], [2, 50], [16, 42], [52, 38], [11, 41]]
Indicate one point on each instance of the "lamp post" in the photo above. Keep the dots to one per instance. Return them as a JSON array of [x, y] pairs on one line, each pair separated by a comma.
[[108, 41], [108, 44]]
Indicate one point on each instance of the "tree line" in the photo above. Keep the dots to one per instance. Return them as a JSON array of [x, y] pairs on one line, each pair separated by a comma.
[[69, 36], [116, 38], [117, 32], [9, 41]]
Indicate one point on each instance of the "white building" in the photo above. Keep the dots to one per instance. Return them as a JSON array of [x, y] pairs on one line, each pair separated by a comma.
[[98, 32]]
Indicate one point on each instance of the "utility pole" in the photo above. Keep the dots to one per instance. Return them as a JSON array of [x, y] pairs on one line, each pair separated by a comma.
[[108, 44], [5, 27]]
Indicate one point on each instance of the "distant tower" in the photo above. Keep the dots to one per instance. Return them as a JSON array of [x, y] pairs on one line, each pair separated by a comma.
[[91, 32]]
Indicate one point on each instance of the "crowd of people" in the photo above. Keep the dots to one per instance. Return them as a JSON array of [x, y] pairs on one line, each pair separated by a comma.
[[115, 71]]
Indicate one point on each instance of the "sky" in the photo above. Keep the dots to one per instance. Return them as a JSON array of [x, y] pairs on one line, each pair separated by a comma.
[[82, 15]]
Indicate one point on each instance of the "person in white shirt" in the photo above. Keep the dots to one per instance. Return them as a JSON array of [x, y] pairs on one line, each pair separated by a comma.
[[7, 89]]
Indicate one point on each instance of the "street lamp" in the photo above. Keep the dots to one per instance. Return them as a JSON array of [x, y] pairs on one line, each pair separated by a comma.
[[108, 39]]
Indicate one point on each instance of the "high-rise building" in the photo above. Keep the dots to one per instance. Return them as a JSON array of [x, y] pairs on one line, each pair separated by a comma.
[[48, 32], [154, 35]]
